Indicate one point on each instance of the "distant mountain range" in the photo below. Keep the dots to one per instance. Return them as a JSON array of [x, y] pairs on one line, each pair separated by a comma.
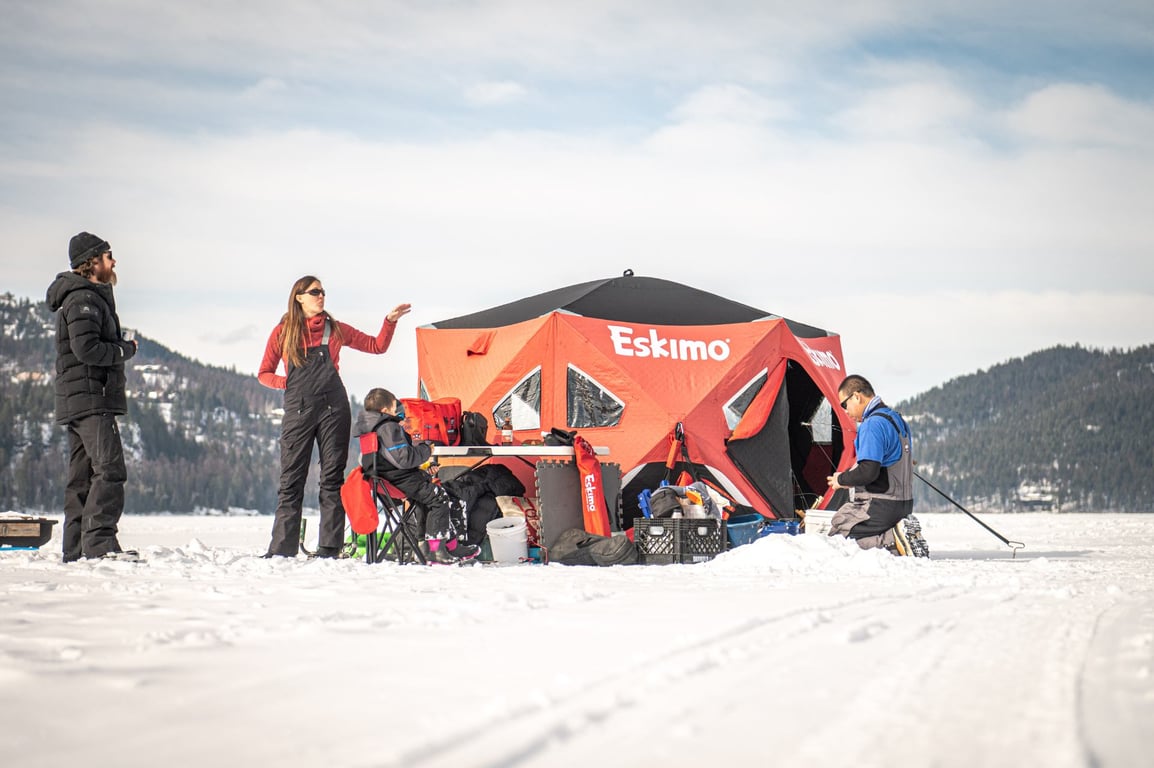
[[1067, 428]]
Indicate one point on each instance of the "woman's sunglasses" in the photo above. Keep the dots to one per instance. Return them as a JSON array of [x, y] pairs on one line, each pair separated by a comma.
[[315, 291]]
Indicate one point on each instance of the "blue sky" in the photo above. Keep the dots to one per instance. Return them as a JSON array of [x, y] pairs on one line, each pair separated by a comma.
[[945, 184]]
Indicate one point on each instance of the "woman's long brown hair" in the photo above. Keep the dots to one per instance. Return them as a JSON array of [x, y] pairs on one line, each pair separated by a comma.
[[292, 332]]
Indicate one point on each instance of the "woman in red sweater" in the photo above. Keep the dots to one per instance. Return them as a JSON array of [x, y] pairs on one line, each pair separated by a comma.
[[316, 410]]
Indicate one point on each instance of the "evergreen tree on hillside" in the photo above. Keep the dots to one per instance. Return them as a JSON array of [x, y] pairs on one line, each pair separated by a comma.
[[1068, 418], [196, 436], [1073, 420]]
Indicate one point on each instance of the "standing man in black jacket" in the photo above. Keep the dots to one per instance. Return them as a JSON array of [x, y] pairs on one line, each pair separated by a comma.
[[90, 355]]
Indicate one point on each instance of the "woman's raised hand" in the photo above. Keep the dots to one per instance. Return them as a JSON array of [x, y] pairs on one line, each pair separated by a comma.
[[398, 312]]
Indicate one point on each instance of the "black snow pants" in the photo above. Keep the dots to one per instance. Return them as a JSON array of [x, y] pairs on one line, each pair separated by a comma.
[[316, 412], [94, 497], [434, 500]]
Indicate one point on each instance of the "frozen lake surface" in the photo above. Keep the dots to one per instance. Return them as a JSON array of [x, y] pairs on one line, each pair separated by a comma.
[[793, 651]]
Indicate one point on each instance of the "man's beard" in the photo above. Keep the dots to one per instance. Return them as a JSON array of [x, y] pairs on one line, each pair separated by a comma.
[[106, 276]]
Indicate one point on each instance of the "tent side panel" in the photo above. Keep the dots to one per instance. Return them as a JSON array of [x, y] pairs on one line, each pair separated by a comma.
[[764, 455], [447, 368]]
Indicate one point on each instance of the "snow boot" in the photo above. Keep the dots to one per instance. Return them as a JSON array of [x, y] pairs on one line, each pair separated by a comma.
[[909, 539], [438, 554], [461, 550], [123, 555], [326, 553]]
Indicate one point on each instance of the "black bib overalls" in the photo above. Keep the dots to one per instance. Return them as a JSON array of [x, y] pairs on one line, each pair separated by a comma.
[[316, 410]]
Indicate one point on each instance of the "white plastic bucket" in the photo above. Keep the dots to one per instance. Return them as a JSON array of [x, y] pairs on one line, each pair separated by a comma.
[[818, 521], [508, 539]]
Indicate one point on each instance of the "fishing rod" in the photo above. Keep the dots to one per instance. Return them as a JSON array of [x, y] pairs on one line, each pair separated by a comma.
[[1013, 545]]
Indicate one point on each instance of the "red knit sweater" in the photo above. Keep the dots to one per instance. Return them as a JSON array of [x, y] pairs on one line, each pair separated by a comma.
[[350, 337]]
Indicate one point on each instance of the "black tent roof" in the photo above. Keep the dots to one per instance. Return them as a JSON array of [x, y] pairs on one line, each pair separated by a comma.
[[627, 299]]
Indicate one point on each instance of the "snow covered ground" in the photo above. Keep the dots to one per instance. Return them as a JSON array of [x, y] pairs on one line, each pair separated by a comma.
[[794, 651]]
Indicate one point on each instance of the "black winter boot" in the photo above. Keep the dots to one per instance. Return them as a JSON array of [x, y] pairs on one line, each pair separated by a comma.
[[439, 554], [461, 550]]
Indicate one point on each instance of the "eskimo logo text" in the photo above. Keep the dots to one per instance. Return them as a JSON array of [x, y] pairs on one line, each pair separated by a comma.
[[822, 358], [626, 344], [590, 486]]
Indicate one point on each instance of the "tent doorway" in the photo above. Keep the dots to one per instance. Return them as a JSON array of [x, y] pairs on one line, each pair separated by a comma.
[[797, 445]]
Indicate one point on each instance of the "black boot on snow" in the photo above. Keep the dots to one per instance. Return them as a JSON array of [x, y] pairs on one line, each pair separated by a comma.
[[916, 543]]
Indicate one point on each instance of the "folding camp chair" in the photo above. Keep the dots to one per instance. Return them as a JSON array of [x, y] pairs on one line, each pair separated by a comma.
[[396, 513]]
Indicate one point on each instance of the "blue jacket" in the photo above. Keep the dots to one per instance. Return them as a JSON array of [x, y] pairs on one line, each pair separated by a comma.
[[877, 440]]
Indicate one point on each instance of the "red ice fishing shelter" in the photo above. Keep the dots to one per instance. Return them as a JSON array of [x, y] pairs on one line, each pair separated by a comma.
[[625, 359]]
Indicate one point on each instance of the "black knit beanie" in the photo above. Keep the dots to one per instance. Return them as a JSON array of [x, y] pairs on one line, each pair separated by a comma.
[[84, 246]]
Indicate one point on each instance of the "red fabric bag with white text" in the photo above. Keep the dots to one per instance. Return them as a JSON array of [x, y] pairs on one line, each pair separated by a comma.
[[437, 421]]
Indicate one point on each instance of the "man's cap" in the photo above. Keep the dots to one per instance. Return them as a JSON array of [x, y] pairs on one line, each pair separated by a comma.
[[84, 246]]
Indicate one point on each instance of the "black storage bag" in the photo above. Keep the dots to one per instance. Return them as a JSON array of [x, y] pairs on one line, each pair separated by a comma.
[[614, 550], [499, 480], [578, 547]]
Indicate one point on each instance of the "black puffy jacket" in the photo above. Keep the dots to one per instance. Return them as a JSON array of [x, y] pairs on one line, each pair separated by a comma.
[[90, 354], [396, 449]]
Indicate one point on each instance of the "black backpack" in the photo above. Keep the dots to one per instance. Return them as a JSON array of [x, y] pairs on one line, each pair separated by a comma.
[[474, 428]]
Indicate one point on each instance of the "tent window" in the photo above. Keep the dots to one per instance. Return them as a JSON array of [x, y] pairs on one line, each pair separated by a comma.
[[821, 423], [735, 408], [522, 406], [588, 404]]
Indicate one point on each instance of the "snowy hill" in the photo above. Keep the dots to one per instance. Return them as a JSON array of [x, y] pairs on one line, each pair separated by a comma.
[[1065, 428], [197, 437]]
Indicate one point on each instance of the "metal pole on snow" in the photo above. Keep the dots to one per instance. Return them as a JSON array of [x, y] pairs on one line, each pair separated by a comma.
[[1014, 545]]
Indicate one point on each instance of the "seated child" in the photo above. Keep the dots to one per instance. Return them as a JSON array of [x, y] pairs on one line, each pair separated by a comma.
[[399, 461]]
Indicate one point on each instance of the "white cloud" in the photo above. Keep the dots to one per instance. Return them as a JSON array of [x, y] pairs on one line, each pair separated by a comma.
[[265, 87], [416, 45], [911, 342], [713, 160], [910, 111], [721, 124], [728, 103], [1084, 115], [918, 212], [495, 93]]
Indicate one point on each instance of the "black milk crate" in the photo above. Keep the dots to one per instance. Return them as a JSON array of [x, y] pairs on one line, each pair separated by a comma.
[[666, 540], [658, 540]]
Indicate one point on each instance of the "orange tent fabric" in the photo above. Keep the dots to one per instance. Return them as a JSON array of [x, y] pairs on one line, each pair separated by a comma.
[[747, 390]]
